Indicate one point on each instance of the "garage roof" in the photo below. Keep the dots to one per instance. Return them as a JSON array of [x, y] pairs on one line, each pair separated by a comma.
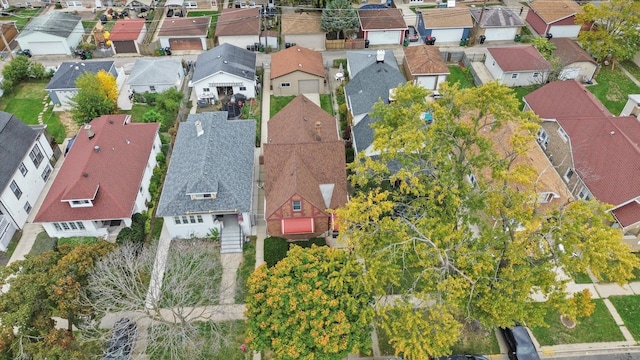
[[54, 23], [382, 19], [238, 22], [497, 17], [446, 18], [302, 23], [185, 27], [126, 29], [296, 58], [552, 11]]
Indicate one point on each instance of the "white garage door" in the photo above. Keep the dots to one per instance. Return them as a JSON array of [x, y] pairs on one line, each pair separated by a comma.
[[447, 35], [569, 73], [308, 86], [428, 82], [48, 48], [384, 37], [500, 34], [569, 31]]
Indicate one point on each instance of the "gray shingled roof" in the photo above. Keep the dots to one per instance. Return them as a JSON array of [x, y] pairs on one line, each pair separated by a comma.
[[54, 23], [16, 140], [497, 17], [226, 58], [363, 134], [370, 85], [220, 160], [67, 73], [160, 71], [359, 60]]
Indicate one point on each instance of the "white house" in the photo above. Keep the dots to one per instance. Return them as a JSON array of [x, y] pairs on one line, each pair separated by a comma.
[[62, 86], [209, 184], [54, 33], [156, 74], [104, 179], [24, 170], [517, 65], [223, 71]]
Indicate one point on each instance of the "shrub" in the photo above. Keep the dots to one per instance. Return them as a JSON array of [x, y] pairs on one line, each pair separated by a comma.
[[275, 249], [136, 232]]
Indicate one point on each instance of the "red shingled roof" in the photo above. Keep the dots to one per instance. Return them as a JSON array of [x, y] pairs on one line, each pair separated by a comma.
[[126, 29], [564, 99], [301, 121], [110, 176], [519, 58], [296, 58], [628, 214]]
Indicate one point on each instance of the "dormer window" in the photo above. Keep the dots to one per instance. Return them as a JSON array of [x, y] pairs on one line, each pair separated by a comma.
[[204, 196], [80, 203]]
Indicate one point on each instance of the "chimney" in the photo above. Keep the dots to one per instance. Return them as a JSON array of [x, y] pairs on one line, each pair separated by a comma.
[[380, 57], [89, 130], [199, 129], [318, 130]]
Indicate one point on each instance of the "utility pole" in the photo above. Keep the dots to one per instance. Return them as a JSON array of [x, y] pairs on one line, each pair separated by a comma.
[[4, 41], [475, 35]]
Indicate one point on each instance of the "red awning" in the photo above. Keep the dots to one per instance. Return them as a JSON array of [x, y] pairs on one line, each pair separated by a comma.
[[297, 226], [334, 222]]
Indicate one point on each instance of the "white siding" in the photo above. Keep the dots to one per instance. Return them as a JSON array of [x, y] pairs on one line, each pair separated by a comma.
[[493, 67], [185, 231], [384, 37], [46, 44], [240, 41], [565, 31], [494, 34], [309, 41], [250, 92], [143, 194], [447, 35], [91, 228]]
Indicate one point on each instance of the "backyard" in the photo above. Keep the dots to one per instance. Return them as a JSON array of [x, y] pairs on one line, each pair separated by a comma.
[[21, 16], [279, 102], [612, 88]]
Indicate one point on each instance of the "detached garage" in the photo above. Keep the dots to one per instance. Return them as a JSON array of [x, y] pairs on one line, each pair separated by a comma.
[[446, 25], [496, 23], [55, 33], [126, 35], [382, 26], [184, 34], [297, 70]]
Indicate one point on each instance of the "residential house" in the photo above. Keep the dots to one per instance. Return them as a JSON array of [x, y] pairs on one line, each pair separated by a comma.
[[184, 33], [223, 71], [9, 32], [594, 152], [126, 35], [557, 17], [210, 184], [25, 167], [303, 29], [517, 65], [54, 33], [305, 171], [448, 26], [632, 107], [62, 86], [297, 70], [239, 27], [576, 62], [424, 66], [104, 179], [495, 23], [156, 75], [384, 26], [360, 59], [371, 84]]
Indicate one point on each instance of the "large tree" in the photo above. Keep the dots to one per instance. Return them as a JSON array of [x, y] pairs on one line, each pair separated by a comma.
[[450, 222], [97, 95], [310, 305], [39, 288], [613, 32], [175, 307], [339, 18]]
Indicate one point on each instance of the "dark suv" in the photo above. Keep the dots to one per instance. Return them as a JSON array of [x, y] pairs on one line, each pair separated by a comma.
[[519, 343], [122, 340]]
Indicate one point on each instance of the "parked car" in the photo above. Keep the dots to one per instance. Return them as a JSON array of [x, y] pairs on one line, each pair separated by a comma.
[[519, 343], [463, 357], [411, 34], [122, 340]]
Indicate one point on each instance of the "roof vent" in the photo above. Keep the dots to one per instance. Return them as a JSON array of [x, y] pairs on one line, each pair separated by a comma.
[[226, 62], [299, 50], [379, 56], [89, 131], [199, 129], [111, 122], [318, 130], [612, 133], [96, 148], [85, 174], [299, 65]]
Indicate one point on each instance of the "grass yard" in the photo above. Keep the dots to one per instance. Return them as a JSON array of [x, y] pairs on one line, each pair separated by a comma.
[[460, 75], [54, 125], [245, 270], [5, 256], [77, 240], [612, 89], [628, 308], [43, 244], [631, 67], [26, 101], [137, 111], [523, 91], [278, 102], [197, 13], [325, 103], [21, 17], [581, 278], [599, 327]]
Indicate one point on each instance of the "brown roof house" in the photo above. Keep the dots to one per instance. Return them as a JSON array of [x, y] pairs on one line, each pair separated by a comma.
[[424, 65], [303, 29], [495, 23], [557, 17], [382, 26], [239, 27], [594, 152], [517, 65], [10, 31], [305, 171], [184, 33], [297, 70], [447, 25], [576, 62]]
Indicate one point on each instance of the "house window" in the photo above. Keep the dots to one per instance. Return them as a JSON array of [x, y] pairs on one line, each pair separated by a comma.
[[176, 219], [192, 219], [543, 138], [185, 219], [46, 173], [57, 226], [73, 226], [65, 226], [74, 4], [536, 74], [80, 225], [545, 197], [36, 156], [584, 194], [568, 174], [199, 218], [27, 207], [563, 134], [206, 90], [152, 88], [515, 76], [16, 189], [285, 84], [243, 88], [80, 203], [297, 205], [23, 169]]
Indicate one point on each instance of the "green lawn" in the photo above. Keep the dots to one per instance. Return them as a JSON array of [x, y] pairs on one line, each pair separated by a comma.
[[278, 102], [599, 327], [245, 270], [628, 308], [612, 89], [460, 75], [137, 111], [325, 103], [582, 278], [43, 244], [198, 13], [631, 67], [5, 256], [523, 91], [54, 126], [21, 17], [77, 240]]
